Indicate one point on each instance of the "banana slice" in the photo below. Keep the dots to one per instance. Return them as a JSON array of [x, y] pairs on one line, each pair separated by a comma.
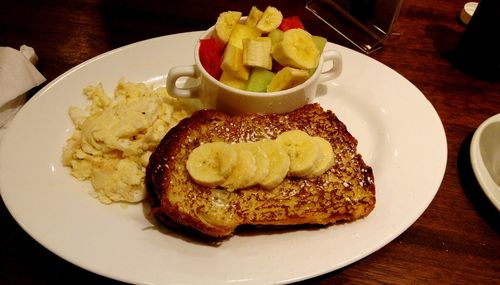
[[243, 172], [261, 162], [270, 20], [286, 78], [279, 163], [296, 49], [210, 163], [302, 150], [225, 24], [327, 159], [257, 53]]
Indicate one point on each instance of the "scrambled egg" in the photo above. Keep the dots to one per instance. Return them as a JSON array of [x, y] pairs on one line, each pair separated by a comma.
[[114, 137]]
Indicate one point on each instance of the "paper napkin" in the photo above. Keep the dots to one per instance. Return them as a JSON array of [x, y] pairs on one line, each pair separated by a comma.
[[18, 75]]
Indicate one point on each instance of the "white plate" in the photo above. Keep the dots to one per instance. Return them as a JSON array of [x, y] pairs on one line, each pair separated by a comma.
[[400, 135]]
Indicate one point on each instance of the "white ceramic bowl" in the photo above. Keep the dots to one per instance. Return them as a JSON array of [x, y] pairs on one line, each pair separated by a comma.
[[485, 158], [216, 95]]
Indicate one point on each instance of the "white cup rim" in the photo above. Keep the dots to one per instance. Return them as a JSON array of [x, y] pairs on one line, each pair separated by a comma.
[[311, 80]]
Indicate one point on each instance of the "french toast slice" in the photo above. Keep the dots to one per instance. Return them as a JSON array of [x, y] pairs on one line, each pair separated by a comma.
[[343, 193]]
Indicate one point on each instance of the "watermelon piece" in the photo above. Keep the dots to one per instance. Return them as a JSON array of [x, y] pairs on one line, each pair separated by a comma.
[[292, 22], [211, 52]]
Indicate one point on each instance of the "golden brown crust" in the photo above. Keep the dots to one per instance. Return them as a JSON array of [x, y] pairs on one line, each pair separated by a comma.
[[346, 192]]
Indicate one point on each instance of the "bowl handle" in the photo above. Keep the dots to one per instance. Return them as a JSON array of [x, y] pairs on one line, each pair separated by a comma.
[[336, 58], [187, 91]]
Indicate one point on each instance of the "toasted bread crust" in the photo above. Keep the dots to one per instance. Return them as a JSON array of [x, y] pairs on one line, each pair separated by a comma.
[[345, 192]]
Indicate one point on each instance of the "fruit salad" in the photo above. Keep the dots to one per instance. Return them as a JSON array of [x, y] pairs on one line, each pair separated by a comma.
[[264, 53]]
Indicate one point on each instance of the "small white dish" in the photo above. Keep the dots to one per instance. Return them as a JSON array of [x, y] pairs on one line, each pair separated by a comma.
[[214, 94], [485, 158]]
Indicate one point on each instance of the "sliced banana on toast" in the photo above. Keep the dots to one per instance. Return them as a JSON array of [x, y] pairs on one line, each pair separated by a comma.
[[261, 162], [265, 163], [244, 171], [210, 163], [302, 150], [327, 159], [279, 163]]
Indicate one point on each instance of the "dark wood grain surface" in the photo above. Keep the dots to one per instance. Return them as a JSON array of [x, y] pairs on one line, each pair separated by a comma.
[[455, 241]]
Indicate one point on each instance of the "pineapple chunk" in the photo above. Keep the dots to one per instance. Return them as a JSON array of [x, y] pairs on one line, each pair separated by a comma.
[[232, 62], [241, 32], [254, 16], [257, 52], [230, 80]]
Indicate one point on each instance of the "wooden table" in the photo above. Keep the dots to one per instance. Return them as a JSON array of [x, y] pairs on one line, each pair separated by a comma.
[[456, 240]]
